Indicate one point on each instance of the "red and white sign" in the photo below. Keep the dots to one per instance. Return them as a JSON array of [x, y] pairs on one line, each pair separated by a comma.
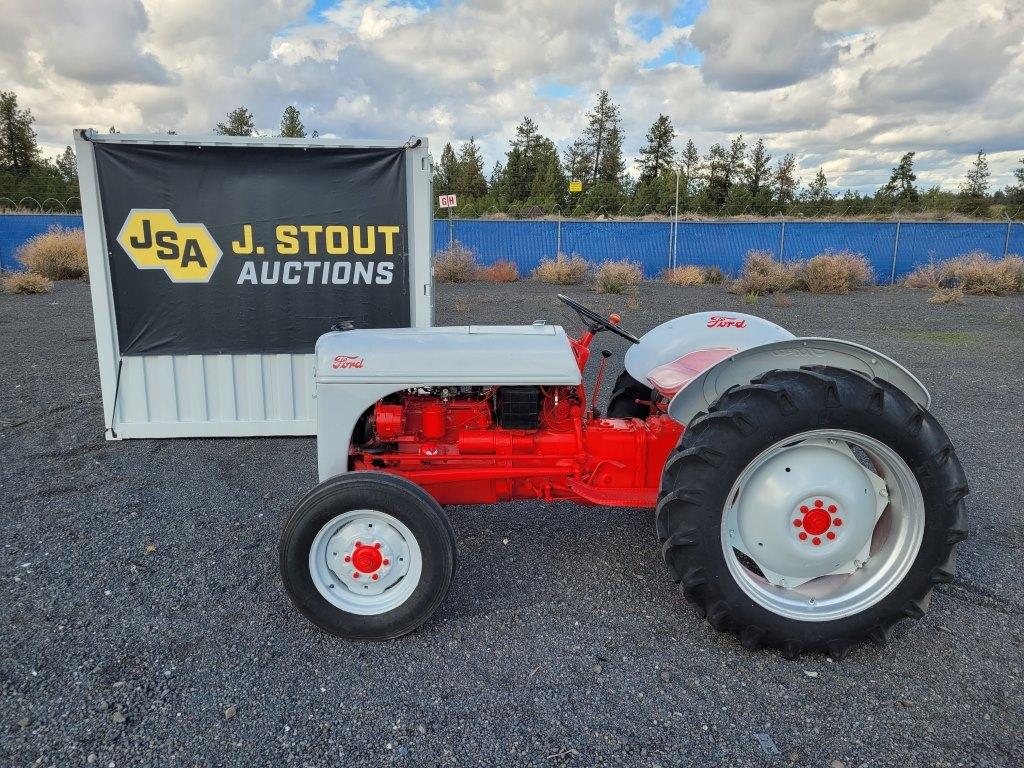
[[446, 201]]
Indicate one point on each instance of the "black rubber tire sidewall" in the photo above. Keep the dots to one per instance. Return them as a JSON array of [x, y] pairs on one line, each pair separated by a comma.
[[622, 403], [382, 492]]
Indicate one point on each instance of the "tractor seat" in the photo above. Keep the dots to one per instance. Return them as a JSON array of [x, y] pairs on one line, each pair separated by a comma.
[[672, 377]]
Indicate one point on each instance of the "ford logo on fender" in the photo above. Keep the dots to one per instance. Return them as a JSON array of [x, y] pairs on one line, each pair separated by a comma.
[[718, 321], [347, 361]]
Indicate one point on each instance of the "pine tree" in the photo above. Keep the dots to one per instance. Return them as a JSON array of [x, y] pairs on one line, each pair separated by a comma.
[[1015, 192], [786, 181], [240, 122], [977, 182], [689, 169], [67, 165], [900, 187], [446, 172], [758, 169], [603, 139], [291, 124], [532, 167], [818, 191], [716, 169], [18, 149], [659, 155], [469, 171], [736, 168], [578, 160]]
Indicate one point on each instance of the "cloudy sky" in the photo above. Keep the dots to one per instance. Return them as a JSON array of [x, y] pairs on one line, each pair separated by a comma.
[[847, 85]]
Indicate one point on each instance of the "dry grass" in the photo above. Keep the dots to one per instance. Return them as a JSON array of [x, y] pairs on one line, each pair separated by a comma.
[[617, 276], [981, 275], [562, 270], [762, 275], [976, 273], [835, 272], [954, 295], [455, 264], [58, 254], [26, 282], [632, 301], [925, 277], [499, 272], [714, 276], [685, 275]]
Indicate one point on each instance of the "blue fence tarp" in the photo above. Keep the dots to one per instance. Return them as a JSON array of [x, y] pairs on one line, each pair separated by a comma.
[[893, 249], [16, 228]]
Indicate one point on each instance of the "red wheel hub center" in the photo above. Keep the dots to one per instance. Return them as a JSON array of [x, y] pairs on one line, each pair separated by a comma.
[[817, 521], [366, 559]]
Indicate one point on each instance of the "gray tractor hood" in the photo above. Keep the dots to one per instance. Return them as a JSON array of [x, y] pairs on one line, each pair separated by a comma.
[[464, 355]]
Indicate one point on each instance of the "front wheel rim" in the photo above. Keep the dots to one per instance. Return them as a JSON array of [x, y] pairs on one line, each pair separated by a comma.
[[823, 525], [365, 562]]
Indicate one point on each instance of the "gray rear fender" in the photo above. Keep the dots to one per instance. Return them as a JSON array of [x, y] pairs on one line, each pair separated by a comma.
[[747, 365]]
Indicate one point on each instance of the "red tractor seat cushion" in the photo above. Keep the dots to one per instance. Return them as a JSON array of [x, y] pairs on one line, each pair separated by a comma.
[[672, 377]]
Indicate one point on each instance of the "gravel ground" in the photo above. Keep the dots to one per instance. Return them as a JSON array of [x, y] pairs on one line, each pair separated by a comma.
[[143, 621]]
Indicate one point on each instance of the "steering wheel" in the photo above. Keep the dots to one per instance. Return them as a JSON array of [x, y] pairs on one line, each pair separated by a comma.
[[586, 313]]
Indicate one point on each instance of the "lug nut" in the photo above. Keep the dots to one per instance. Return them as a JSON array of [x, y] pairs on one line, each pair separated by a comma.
[[355, 574], [837, 521], [375, 577], [376, 545], [803, 536], [348, 558], [830, 535], [386, 562], [815, 541], [797, 523]]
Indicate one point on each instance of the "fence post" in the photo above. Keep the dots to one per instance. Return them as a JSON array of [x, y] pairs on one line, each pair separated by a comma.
[[1006, 241], [782, 242], [450, 237], [558, 236], [895, 250]]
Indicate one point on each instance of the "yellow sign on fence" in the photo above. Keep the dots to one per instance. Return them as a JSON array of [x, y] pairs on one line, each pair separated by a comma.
[[575, 185]]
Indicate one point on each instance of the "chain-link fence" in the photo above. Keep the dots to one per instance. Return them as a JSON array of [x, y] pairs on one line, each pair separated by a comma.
[[894, 248]]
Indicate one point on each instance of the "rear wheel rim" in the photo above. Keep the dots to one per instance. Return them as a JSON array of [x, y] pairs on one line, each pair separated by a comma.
[[365, 562], [823, 525]]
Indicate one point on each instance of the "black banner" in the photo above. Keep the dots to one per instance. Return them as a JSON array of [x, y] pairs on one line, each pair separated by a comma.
[[252, 249]]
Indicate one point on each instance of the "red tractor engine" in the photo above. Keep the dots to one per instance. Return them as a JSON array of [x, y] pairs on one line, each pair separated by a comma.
[[478, 445]]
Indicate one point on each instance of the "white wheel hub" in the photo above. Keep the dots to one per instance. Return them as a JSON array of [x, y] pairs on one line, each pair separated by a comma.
[[365, 562], [813, 530], [807, 512]]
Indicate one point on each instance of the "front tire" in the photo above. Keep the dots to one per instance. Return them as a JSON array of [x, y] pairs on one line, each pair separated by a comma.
[[812, 509], [367, 556]]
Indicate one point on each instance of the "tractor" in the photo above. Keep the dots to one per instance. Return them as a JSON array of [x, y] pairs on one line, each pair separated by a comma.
[[804, 497]]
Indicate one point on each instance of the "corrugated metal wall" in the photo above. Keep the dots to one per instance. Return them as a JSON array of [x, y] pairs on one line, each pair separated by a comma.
[[166, 395]]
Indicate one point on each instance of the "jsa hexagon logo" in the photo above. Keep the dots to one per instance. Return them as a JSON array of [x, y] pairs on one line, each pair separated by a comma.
[[155, 239]]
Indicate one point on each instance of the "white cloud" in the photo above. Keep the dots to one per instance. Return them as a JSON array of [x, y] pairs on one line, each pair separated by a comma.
[[848, 85]]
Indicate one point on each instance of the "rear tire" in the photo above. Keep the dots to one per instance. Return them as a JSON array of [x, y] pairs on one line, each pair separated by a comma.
[[623, 402], [702, 486], [367, 556]]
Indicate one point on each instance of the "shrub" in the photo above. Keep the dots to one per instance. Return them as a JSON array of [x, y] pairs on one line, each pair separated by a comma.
[[762, 274], [979, 274], [617, 276], [835, 272], [926, 276], [954, 295], [714, 276], [58, 254], [685, 275], [562, 270], [455, 264], [499, 272], [26, 282]]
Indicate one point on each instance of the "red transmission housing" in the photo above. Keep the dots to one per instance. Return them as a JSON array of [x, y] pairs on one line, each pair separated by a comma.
[[451, 442]]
